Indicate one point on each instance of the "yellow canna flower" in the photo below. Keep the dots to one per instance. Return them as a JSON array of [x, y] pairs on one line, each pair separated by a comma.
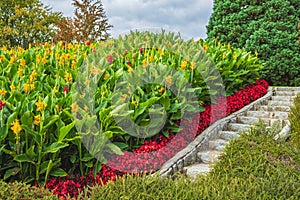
[[169, 80], [31, 86], [16, 127], [134, 103], [256, 54], [228, 46], [37, 120], [193, 65], [68, 77], [44, 61], [130, 70], [162, 89], [23, 62], [183, 65], [223, 57], [106, 76], [38, 58], [32, 76], [26, 87], [2, 57], [20, 71], [74, 108], [3, 92], [145, 63], [12, 87], [12, 60], [40, 106]]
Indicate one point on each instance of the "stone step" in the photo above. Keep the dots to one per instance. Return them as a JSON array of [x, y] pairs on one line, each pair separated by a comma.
[[218, 144], [279, 103], [283, 98], [265, 114], [273, 108], [238, 127], [196, 169], [228, 135], [286, 93], [296, 89], [208, 156], [254, 120]]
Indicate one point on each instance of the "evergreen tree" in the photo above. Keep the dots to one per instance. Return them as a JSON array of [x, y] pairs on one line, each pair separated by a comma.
[[25, 21], [267, 27], [89, 23]]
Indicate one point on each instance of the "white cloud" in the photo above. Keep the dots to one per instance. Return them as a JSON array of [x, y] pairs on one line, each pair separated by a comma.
[[189, 17]]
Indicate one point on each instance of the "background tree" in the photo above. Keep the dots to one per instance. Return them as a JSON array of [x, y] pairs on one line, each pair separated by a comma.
[[25, 21], [267, 27], [89, 23]]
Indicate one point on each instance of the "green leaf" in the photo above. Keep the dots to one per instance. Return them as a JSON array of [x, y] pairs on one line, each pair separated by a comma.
[[58, 172], [23, 158], [11, 172], [115, 149], [53, 148], [27, 118], [63, 131], [121, 145]]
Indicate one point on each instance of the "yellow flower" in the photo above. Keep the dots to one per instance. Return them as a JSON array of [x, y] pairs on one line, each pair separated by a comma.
[[183, 65], [38, 58], [162, 89], [20, 71], [16, 127], [2, 57], [228, 46], [74, 108], [124, 97], [40, 106], [73, 65], [68, 77], [31, 86], [130, 70], [256, 54], [86, 108], [37, 120], [95, 71], [223, 57], [134, 103], [12, 60], [57, 56], [26, 87], [44, 61], [3, 92], [106, 76], [12, 87], [32, 76], [169, 80], [193, 65], [150, 59], [145, 63], [23, 62]]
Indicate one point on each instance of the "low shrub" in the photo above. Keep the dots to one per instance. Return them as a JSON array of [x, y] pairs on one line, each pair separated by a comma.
[[254, 166], [18, 190], [294, 118]]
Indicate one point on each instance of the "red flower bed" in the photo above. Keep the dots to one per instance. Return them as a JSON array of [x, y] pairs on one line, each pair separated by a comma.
[[153, 154]]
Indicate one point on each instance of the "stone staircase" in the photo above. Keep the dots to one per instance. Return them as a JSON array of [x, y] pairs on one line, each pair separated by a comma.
[[274, 109]]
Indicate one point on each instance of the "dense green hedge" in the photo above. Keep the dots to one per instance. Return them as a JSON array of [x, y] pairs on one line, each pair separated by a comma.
[[266, 27]]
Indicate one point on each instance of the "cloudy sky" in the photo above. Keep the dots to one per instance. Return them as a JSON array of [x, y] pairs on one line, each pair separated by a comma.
[[189, 17]]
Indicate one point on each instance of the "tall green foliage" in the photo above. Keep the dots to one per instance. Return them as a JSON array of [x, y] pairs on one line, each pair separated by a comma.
[[266, 27], [25, 21]]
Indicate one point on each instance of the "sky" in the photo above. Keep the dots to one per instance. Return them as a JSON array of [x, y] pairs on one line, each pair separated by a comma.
[[189, 17]]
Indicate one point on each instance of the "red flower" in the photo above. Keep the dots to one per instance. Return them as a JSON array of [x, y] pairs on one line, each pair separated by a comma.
[[2, 103], [110, 59], [129, 63]]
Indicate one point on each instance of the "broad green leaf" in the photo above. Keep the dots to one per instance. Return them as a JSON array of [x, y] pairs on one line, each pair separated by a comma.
[[11, 172], [63, 131], [58, 172], [53, 148]]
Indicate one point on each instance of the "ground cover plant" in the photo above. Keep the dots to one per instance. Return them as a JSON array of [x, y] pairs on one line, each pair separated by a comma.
[[254, 166], [40, 138]]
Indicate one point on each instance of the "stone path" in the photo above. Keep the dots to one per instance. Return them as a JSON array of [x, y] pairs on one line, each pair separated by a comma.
[[272, 110]]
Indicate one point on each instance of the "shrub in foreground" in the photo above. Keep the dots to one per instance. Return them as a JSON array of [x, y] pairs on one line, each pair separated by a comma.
[[254, 166]]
